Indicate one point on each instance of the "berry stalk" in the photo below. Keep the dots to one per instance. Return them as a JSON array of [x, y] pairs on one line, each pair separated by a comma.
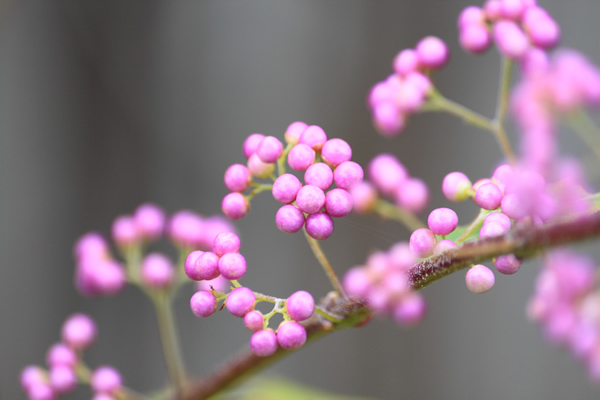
[[322, 258]]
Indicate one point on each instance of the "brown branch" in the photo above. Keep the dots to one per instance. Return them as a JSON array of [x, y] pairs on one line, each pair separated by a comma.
[[524, 242]]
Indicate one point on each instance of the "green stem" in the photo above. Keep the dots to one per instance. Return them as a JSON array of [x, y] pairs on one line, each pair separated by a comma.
[[84, 375], [502, 109], [170, 344], [260, 187], [477, 222], [282, 158], [438, 103], [391, 211], [322, 258], [587, 130]]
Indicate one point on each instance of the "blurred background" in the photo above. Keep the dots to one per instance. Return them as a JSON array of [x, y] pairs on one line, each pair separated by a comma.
[[105, 105]]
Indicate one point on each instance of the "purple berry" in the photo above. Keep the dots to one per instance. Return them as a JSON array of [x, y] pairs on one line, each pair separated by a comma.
[[498, 218], [357, 282], [388, 119], [512, 206], [232, 266], [471, 15], [203, 304], [479, 279], [63, 379], [492, 229], [512, 9], [240, 301], [189, 266], [510, 39], [347, 174], [235, 206], [254, 321], [157, 271], [507, 264], [542, 29], [475, 38], [442, 221], [314, 136], [300, 305], [413, 195], [387, 173], [443, 245], [310, 199], [289, 219], [300, 157], [364, 197], [410, 310], [219, 284], [79, 331], [206, 266], [409, 97], [226, 242], [432, 52], [251, 143], [422, 242], [269, 149], [61, 354], [488, 196], [319, 175], [456, 186], [106, 379], [335, 152], [124, 231], [263, 343], [149, 220], [291, 335], [92, 245], [41, 391], [293, 132], [30, 376], [406, 62], [338, 203], [319, 226], [237, 178], [259, 168], [285, 188], [185, 228]]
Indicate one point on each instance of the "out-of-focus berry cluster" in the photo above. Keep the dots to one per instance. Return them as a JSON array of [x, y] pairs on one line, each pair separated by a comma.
[[312, 205], [404, 92], [64, 360], [213, 269], [566, 303]]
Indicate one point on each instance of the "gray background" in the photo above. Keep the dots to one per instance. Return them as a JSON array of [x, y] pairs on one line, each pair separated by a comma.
[[109, 104]]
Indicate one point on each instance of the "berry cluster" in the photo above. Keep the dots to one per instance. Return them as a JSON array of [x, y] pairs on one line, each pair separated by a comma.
[[389, 178], [382, 283], [63, 359], [520, 28], [566, 303], [404, 92], [312, 205], [213, 269]]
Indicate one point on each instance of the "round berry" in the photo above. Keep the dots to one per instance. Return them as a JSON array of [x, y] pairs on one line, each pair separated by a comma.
[[289, 219], [149, 220], [263, 343], [364, 197], [61, 354], [405, 62], [319, 175], [30, 376], [471, 15], [492, 229], [507, 264], [184, 228], [300, 305], [203, 304], [235, 206], [237, 178], [488, 196], [106, 379], [251, 143], [338, 203], [422, 242], [41, 391], [226, 242], [300, 157], [293, 132], [319, 226], [79, 331], [310, 199], [291, 335], [388, 119], [157, 271], [442, 221], [206, 266], [335, 152], [510, 39], [432, 52], [285, 188], [124, 231], [475, 38], [410, 310], [443, 245], [498, 218], [259, 168], [240, 301], [314, 136], [63, 379], [357, 282], [479, 279], [413, 195], [219, 284], [456, 186], [232, 266], [387, 173], [254, 321], [189, 265], [347, 174], [269, 149]]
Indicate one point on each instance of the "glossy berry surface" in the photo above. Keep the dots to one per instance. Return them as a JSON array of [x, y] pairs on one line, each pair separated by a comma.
[[291, 335], [300, 305], [442, 221], [285, 188], [203, 304], [480, 279], [240, 301], [79, 331], [254, 321], [289, 219], [226, 242], [106, 379], [232, 266], [319, 226], [263, 343]]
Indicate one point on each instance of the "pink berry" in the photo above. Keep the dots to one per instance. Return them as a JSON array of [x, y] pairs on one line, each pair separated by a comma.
[[442, 221], [512, 206], [240, 301], [269, 149], [226, 242], [235, 206], [387, 172], [207, 266], [300, 305], [502, 175], [413, 195], [185, 228], [443, 245], [251, 143], [512, 9], [149, 220], [293, 132], [542, 29], [310, 199], [488, 196], [300, 157], [507, 264], [480, 279], [498, 218], [347, 174], [409, 97], [289, 219], [335, 152], [61, 354], [357, 282], [492, 229], [492, 10], [30, 376], [41, 391], [319, 226], [203, 304], [263, 343], [405, 62], [124, 231], [157, 271], [319, 175], [189, 266], [237, 178], [314, 136], [285, 188], [456, 186], [338, 203], [471, 15], [219, 284], [475, 38], [106, 379], [63, 379], [259, 168], [388, 119], [254, 321], [291, 335], [381, 92], [92, 245], [364, 197], [232, 266], [410, 310], [422, 242], [511, 40], [79, 331], [432, 52]]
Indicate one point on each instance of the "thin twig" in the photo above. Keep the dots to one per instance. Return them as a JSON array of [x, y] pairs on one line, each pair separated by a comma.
[[322, 258]]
